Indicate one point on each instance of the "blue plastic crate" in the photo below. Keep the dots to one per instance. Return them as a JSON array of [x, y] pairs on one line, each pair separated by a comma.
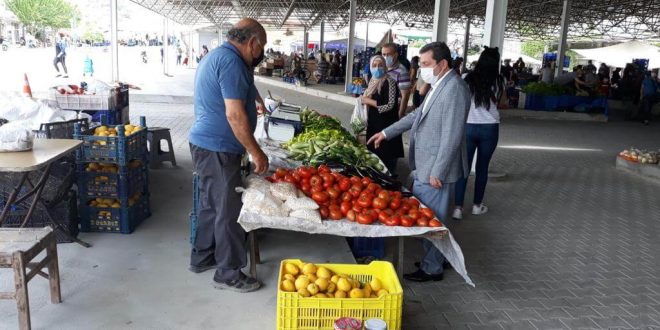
[[367, 246], [106, 117], [122, 220], [125, 182], [118, 150], [195, 207]]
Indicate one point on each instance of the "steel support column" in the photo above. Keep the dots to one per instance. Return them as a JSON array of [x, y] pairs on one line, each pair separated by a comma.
[[351, 42], [466, 43], [166, 48], [495, 23], [322, 37], [305, 43], [366, 37], [561, 52], [440, 20], [114, 46]]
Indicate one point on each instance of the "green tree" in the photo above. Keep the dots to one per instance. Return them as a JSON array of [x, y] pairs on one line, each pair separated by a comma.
[[533, 48], [39, 14]]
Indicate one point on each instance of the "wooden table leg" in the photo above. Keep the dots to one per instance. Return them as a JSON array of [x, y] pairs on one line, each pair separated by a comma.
[[399, 261], [252, 248], [20, 284], [53, 271], [12, 197]]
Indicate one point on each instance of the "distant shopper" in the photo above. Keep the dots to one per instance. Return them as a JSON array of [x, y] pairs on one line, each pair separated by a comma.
[[616, 76], [458, 65], [179, 55], [205, 50], [507, 69], [482, 129], [381, 98], [88, 66], [60, 56], [649, 94], [604, 71], [321, 73], [546, 73], [580, 84], [225, 104], [590, 67], [399, 73], [416, 82]]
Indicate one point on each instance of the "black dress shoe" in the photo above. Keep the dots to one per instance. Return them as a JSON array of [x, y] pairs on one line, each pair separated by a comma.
[[421, 276], [445, 264]]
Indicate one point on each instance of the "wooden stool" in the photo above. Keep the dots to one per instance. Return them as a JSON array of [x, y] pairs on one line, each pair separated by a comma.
[[156, 154], [18, 246]]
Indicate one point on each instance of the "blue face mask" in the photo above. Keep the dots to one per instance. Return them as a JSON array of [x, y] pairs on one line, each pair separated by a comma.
[[389, 61], [377, 72]]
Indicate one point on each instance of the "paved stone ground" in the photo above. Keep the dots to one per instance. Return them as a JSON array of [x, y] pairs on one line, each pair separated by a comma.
[[570, 241]]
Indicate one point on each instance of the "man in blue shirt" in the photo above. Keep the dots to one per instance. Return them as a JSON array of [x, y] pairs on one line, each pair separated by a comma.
[[225, 119], [649, 95]]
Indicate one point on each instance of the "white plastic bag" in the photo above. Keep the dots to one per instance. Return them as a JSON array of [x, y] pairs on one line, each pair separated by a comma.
[[359, 117], [310, 215], [14, 136], [301, 203], [283, 190], [262, 203]]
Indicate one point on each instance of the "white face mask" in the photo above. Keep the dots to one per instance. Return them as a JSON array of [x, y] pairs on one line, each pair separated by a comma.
[[427, 75]]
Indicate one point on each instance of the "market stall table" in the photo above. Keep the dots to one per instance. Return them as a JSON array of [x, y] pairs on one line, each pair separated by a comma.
[[42, 156], [439, 236]]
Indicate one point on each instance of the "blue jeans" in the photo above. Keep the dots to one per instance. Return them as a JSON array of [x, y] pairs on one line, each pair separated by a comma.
[[438, 201], [481, 138]]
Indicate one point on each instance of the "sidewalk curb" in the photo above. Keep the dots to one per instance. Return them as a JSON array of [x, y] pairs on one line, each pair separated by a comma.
[[551, 115]]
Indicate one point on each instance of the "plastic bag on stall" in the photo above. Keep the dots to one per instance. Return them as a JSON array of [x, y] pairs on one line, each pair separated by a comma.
[[262, 203], [305, 214], [359, 117], [14, 136], [283, 190], [301, 203]]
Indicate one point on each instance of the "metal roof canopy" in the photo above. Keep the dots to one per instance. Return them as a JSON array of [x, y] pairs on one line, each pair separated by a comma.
[[527, 19]]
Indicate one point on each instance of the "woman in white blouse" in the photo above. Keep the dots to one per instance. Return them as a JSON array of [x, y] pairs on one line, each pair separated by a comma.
[[482, 129]]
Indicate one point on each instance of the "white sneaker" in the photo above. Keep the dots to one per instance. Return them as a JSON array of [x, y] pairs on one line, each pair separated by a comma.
[[479, 209], [458, 214]]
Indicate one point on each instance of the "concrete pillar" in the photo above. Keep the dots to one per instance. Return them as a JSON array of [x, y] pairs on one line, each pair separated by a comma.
[[166, 48], [565, 21], [440, 20], [305, 43], [351, 41], [495, 23], [322, 38], [221, 37], [366, 38], [114, 46], [466, 43]]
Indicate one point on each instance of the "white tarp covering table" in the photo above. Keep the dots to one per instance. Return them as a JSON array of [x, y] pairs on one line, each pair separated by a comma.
[[439, 236]]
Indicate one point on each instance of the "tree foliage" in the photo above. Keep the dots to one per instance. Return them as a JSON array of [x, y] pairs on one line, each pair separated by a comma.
[[533, 48], [39, 14]]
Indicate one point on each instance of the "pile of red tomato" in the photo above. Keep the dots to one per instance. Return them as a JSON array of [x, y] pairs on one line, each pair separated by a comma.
[[357, 199]]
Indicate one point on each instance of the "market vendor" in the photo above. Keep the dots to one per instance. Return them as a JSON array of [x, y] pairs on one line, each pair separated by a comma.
[[437, 153], [225, 120], [382, 100]]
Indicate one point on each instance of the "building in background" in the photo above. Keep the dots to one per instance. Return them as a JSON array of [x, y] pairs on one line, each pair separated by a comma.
[[11, 29]]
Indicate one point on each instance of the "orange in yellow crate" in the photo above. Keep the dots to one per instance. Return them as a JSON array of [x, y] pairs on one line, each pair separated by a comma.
[[305, 311]]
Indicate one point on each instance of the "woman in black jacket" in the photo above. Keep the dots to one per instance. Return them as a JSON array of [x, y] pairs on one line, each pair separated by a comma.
[[381, 98]]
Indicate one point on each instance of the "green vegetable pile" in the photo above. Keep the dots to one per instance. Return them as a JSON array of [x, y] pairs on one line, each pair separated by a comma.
[[324, 141]]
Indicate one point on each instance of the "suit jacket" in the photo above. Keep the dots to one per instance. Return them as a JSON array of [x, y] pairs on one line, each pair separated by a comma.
[[437, 137]]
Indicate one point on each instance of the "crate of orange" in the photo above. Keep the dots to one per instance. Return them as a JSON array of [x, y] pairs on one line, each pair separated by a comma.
[[314, 296]]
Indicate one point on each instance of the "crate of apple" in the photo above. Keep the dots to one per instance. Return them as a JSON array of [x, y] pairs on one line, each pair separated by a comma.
[[357, 199]]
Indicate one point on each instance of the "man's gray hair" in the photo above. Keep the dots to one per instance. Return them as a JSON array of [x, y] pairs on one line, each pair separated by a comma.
[[242, 34]]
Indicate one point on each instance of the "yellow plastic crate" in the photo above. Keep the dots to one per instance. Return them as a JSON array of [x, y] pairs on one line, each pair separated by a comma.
[[295, 312]]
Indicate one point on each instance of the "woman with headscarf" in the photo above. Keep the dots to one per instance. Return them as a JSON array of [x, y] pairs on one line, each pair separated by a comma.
[[482, 129], [381, 98]]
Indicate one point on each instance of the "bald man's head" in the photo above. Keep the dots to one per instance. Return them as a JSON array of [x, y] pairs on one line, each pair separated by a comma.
[[249, 37], [246, 29]]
